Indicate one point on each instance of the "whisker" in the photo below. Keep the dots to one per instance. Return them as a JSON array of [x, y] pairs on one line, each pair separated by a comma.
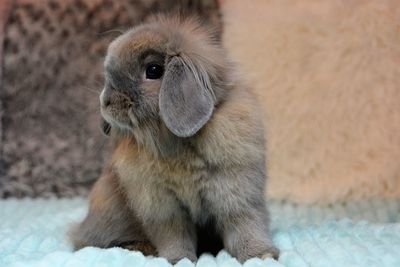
[[93, 110], [89, 89], [99, 84], [111, 31]]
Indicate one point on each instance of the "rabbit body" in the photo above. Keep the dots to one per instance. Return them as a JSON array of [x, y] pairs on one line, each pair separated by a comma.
[[190, 149]]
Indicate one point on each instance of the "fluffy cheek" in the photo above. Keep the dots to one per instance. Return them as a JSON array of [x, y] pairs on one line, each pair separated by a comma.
[[147, 109], [147, 106]]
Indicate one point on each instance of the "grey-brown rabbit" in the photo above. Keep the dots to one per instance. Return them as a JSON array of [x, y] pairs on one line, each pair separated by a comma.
[[188, 170]]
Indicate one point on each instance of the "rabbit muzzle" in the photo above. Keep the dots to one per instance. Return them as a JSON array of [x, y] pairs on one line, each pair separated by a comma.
[[116, 109]]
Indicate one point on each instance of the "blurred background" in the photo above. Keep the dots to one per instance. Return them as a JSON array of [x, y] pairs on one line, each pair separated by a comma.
[[327, 74], [52, 74]]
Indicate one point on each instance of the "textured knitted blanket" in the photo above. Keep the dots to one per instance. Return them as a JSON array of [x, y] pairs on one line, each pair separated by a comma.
[[365, 233]]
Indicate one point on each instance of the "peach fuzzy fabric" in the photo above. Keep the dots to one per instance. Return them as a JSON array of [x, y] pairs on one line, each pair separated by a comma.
[[328, 76]]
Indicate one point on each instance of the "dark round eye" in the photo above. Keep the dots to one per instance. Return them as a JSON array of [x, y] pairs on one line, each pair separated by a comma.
[[154, 71]]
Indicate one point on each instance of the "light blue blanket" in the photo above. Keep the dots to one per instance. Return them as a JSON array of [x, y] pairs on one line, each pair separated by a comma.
[[366, 233]]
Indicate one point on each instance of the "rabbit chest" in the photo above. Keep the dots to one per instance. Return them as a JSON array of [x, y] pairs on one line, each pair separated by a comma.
[[160, 188]]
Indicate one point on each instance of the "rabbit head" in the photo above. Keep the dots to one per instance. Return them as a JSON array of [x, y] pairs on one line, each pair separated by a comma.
[[166, 73]]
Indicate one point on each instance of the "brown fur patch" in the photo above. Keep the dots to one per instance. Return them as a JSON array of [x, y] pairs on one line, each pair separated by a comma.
[[103, 194]]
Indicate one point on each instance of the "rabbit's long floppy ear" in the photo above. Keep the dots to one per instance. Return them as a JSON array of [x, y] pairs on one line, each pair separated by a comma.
[[186, 98]]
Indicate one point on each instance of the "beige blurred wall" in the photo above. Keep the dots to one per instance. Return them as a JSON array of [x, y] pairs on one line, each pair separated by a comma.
[[328, 76]]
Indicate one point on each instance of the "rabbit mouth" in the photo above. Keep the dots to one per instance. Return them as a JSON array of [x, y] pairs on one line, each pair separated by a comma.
[[118, 118]]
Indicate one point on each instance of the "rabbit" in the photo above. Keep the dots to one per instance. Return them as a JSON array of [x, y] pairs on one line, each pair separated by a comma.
[[188, 172]]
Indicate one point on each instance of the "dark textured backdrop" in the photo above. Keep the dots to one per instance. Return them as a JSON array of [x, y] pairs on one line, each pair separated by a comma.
[[52, 74]]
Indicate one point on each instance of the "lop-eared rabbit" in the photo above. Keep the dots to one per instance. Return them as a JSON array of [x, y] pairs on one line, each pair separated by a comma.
[[188, 173]]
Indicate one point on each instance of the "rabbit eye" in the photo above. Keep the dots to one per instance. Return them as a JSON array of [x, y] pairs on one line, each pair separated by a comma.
[[154, 71]]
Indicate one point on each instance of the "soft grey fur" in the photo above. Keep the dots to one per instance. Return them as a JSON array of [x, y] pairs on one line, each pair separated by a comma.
[[186, 102], [190, 149]]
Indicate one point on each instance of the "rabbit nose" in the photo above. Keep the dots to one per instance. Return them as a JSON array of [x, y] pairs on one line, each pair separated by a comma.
[[106, 102]]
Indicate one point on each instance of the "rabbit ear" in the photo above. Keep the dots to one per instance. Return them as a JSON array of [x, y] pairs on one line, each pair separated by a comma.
[[186, 99]]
